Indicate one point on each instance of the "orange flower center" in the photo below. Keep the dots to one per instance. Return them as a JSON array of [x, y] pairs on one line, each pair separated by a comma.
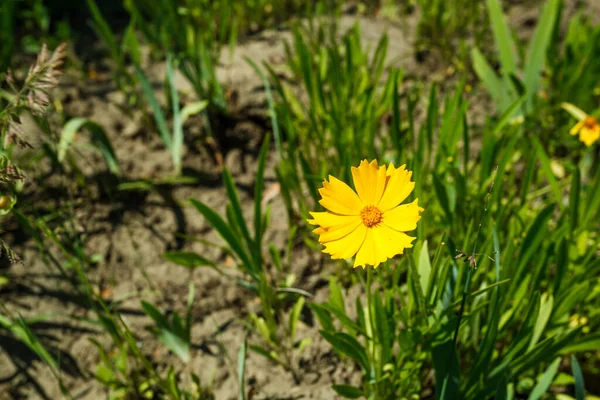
[[590, 122], [371, 216]]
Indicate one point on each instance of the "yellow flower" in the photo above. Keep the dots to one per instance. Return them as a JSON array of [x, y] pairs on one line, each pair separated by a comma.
[[370, 224], [588, 129]]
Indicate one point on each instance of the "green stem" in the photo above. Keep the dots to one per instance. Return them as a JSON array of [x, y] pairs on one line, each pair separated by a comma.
[[371, 346]]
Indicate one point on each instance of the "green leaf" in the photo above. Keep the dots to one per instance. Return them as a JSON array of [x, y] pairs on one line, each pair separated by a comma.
[[442, 196], [562, 264], [227, 234], [258, 191], [236, 208], [160, 320], [271, 104], [545, 381], [159, 117], [177, 120], [502, 390], [103, 30], [424, 267], [295, 317], [242, 370], [446, 366], [530, 245], [508, 115], [416, 292], [574, 198], [271, 355], [546, 303], [344, 319], [502, 37], [590, 342], [187, 259], [349, 392], [21, 330], [396, 132], [131, 43], [98, 138], [546, 167], [323, 317], [538, 47], [348, 346], [579, 382], [383, 328], [169, 335], [192, 109]]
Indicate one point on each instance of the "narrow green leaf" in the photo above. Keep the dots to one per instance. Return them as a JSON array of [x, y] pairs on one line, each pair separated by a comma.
[[193, 109], [579, 382], [424, 267], [258, 191], [159, 117], [502, 391], [574, 198], [502, 37], [383, 328], [323, 317], [546, 303], [440, 191], [271, 104], [545, 381], [242, 370], [265, 353], [236, 208], [295, 317], [103, 30], [227, 234], [508, 115], [98, 138], [538, 47], [344, 319], [546, 167], [347, 345], [187, 259], [177, 140]]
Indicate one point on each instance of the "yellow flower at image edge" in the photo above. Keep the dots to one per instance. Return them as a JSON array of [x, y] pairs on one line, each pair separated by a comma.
[[588, 129], [369, 223]]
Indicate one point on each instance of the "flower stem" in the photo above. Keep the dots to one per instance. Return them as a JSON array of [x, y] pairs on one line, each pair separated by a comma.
[[371, 348]]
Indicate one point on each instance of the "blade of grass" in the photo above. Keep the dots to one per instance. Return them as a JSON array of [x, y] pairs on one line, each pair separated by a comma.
[[159, 117], [502, 37], [538, 47], [177, 143]]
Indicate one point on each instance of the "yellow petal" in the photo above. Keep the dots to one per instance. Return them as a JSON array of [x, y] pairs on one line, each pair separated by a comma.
[[391, 169], [329, 220], [589, 135], [380, 185], [371, 252], [334, 205], [391, 242], [365, 181], [339, 232], [319, 230], [342, 193], [404, 217], [575, 130], [347, 246], [397, 189]]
